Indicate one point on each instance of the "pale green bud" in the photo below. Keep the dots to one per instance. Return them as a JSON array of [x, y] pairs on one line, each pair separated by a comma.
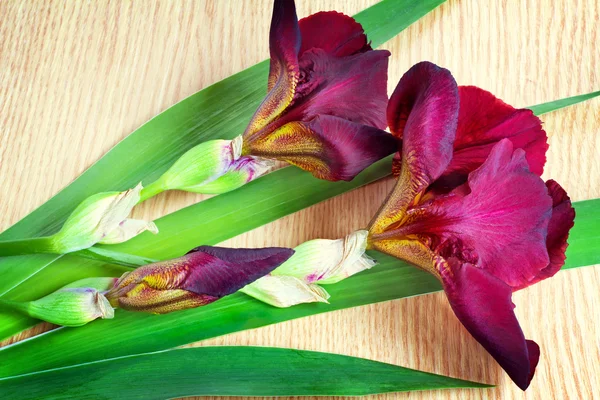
[[67, 307], [201, 164], [99, 217], [242, 171], [321, 261]]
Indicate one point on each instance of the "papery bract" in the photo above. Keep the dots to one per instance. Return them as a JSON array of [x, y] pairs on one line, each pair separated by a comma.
[[198, 278], [314, 263], [101, 217]]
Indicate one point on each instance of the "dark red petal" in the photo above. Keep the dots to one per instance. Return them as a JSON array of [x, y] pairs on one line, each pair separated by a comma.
[[219, 271], [483, 305], [353, 87], [483, 121], [330, 148], [284, 44], [561, 222], [423, 111], [336, 33], [504, 218]]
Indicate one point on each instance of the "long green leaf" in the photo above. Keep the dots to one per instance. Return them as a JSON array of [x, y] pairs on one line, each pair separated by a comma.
[[569, 101], [219, 111], [224, 371]]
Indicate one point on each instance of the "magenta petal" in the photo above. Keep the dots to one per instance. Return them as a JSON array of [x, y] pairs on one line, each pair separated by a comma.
[[483, 121], [335, 33], [423, 111], [504, 218], [352, 87], [561, 222], [222, 271], [483, 305]]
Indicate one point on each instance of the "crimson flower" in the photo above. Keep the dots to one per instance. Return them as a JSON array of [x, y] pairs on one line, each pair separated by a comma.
[[327, 96], [203, 275], [470, 206]]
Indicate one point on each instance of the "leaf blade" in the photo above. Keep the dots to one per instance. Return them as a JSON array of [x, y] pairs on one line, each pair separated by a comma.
[[256, 371]]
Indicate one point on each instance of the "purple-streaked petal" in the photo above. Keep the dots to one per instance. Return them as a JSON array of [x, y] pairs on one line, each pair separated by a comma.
[[333, 32], [483, 305], [497, 220], [330, 148], [423, 111]]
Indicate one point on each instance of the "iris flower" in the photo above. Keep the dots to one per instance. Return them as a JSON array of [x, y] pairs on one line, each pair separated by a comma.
[[470, 206], [324, 111]]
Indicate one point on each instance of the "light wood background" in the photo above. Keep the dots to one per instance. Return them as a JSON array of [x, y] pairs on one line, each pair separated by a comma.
[[76, 77]]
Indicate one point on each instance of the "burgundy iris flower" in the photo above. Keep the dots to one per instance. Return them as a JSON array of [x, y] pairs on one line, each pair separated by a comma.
[[470, 206], [325, 109]]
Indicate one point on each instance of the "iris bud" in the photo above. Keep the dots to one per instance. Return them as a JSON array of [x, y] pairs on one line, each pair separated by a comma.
[[71, 305]]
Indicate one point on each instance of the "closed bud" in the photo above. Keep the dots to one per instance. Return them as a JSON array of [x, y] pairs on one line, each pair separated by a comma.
[[67, 307], [102, 216], [242, 171], [198, 278]]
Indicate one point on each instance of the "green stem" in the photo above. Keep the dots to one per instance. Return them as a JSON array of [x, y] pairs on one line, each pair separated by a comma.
[[151, 190], [18, 306], [27, 246]]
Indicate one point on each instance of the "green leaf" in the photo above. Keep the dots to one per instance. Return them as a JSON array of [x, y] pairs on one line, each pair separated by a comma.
[[224, 371], [220, 111], [569, 101]]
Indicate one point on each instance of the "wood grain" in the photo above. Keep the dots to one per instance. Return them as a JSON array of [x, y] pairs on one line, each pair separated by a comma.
[[76, 77]]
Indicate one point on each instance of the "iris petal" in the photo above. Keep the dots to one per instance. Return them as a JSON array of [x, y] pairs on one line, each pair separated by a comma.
[[335, 33], [423, 111], [483, 121], [483, 305], [498, 219], [329, 147], [561, 222], [352, 87]]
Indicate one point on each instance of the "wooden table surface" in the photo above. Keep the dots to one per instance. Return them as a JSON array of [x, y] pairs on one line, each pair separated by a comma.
[[77, 77]]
